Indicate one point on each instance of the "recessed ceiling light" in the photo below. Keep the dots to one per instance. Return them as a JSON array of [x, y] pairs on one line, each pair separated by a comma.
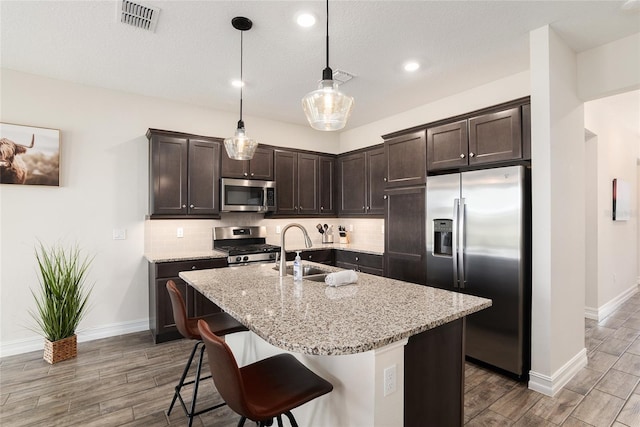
[[306, 20], [411, 66], [237, 83]]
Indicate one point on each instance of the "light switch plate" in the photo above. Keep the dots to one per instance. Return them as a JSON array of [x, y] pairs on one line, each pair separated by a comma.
[[119, 233]]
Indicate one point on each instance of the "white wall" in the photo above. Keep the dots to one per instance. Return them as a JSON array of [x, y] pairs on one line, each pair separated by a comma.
[[104, 185], [609, 69], [616, 154], [558, 201]]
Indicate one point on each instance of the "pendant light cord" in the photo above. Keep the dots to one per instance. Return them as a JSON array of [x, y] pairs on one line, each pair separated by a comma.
[[241, 123], [327, 33]]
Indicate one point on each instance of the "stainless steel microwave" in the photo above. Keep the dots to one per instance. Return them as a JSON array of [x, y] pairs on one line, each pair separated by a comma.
[[247, 195]]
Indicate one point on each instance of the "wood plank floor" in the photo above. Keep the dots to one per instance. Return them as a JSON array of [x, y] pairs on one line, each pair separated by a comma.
[[128, 381]]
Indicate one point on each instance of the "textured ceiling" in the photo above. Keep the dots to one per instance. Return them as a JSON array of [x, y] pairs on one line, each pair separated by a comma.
[[195, 52]]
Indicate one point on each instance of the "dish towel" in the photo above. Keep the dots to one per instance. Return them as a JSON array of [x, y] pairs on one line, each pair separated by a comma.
[[341, 278]]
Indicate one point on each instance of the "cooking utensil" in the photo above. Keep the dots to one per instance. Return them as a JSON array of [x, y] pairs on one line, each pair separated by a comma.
[[320, 229]]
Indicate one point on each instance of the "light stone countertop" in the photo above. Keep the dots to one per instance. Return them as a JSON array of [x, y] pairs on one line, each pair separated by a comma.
[[313, 318]]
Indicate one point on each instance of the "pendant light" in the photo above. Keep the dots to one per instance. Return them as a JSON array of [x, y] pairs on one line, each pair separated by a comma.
[[327, 108], [240, 146]]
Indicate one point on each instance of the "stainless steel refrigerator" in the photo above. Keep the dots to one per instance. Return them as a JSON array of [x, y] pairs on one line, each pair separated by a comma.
[[478, 242]]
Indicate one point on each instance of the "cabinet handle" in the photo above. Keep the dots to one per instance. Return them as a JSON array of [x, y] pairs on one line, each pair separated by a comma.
[[245, 174], [321, 208], [384, 179], [310, 257], [363, 208], [368, 208], [251, 173], [184, 206], [385, 197], [357, 259], [191, 206], [462, 156], [471, 154], [193, 267]]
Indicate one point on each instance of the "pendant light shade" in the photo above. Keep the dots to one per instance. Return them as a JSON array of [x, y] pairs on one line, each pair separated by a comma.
[[240, 146], [327, 108]]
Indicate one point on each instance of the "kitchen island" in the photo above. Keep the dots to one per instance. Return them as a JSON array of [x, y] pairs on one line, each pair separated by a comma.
[[393, 350]]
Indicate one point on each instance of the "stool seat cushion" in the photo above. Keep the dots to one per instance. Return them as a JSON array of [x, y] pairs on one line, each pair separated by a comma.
[[221, 323], [279, 383]]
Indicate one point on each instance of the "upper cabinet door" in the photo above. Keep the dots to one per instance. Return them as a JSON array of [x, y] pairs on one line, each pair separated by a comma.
[[204, 177], [233, 168], [447, 146], [326, 185], [495, 137], [376, 174], [351, 169], [308, 184], [406, 159], [286, 176], [168, 175], [261, 166]]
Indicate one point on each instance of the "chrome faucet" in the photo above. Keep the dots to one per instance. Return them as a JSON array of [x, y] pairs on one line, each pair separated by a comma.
[[283, 253]]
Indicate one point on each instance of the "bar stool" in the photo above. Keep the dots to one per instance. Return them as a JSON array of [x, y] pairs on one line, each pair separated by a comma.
[[222, 323], [266, 389]]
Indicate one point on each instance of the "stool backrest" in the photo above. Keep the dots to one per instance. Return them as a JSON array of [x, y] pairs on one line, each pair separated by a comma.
[[225, 372], [179, 310]]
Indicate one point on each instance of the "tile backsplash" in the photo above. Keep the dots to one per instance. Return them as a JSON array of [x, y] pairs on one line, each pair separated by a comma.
[[161, 235]]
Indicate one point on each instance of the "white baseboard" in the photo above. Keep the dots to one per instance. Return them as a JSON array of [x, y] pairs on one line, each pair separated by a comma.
[[27, 345], [603, 311], [551, 385]]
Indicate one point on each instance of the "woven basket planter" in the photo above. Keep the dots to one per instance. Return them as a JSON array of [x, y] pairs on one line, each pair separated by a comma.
[[60, 350]]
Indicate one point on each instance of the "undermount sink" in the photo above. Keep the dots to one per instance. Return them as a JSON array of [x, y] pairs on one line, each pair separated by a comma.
[[309, 272]]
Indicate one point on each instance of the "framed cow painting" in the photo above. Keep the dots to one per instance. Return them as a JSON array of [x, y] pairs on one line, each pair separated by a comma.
[[29, 155]]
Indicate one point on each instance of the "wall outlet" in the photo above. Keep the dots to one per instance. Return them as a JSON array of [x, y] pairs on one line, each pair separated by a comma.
[[382, 228], [119, 234], [350, 227], [390, 380], [180, 232], [277, 229]]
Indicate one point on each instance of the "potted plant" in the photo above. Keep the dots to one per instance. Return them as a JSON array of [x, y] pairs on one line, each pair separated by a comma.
[[62, 299]]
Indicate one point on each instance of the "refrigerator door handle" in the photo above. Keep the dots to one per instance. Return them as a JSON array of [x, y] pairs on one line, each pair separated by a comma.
[[454, 241], [462, 214]]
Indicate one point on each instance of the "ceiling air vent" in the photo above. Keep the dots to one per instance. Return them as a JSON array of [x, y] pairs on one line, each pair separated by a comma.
[[341, 77], [139, 16]]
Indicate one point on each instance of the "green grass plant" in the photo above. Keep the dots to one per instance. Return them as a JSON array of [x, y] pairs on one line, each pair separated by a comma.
[[61, 300]]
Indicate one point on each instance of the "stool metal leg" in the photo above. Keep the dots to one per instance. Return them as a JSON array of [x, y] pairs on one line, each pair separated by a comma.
[[182, 378], [196, 384], [291, 419]]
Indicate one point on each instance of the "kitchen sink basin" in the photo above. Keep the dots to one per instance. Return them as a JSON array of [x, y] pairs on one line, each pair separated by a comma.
[[309, 272]]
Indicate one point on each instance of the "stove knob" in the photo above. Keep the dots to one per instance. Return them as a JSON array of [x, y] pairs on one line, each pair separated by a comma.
[[245, 258], [238, 258]]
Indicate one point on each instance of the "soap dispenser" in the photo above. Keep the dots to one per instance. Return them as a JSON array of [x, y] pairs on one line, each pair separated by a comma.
[[297, 268]]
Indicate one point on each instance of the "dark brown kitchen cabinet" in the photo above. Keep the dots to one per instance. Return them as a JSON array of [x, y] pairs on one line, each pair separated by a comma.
[[361, 181], [482, 139], [447, 146], [161, 322], [404, 234], [259, 167], [358, 261], [406, 160], [184, 175], [321, 256], [297, 177], [327, 185]]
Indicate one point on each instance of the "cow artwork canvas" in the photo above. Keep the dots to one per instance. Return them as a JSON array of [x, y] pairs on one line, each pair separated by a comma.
[[29, 155]]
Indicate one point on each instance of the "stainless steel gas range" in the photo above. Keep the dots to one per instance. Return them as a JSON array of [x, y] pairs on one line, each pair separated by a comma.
[[244, 245]]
